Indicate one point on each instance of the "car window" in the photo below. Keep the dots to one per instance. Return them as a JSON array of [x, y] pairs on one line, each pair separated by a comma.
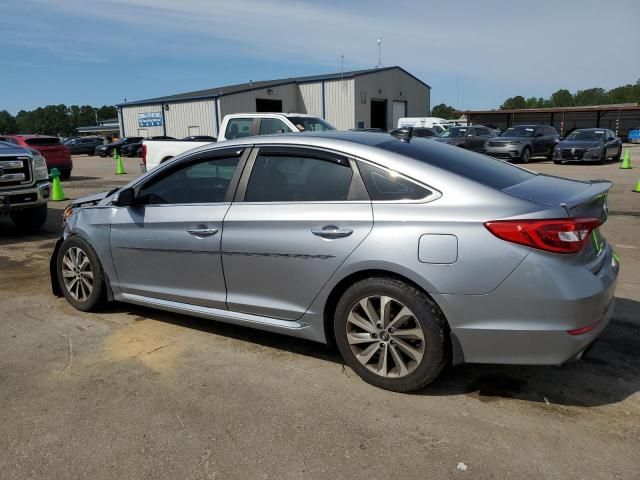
[[384, 185], [290, 178], [472, 132], [206, 181], [423, 132], [272, 125], [238, 128]]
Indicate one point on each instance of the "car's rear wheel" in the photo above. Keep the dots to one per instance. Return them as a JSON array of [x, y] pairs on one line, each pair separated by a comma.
[[65, 174], [30, 219], [526, 155], [80, 274], [391, 334]]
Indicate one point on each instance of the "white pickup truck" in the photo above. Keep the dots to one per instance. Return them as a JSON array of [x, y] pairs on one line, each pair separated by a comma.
[[237, 125]]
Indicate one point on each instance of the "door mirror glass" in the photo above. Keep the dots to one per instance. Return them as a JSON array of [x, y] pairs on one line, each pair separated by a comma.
[[125, 197]]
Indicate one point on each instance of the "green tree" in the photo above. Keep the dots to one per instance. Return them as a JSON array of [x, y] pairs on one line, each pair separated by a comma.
[[590, 96], [562, 98], [514, 103], [7, 122], [444, 111]]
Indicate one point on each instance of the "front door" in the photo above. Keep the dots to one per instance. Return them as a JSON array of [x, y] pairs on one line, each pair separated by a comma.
[[167, 245], [300, 215]]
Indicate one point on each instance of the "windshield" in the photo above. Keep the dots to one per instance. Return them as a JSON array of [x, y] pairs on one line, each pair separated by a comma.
[[586, 135], [438, 129], [311, 124], [454, 132], [519, 132]]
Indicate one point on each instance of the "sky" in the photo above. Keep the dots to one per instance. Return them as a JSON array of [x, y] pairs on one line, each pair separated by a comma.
[[474, 54]]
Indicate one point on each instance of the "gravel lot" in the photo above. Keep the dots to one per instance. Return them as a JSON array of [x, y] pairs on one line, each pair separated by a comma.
[[137, 393]]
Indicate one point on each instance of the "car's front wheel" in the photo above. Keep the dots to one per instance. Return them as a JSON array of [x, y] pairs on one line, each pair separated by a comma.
[[391, 334], [618, 155], [526, 155], [80, 274]]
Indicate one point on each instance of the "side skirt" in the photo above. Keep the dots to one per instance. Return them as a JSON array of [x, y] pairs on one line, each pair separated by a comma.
[[288, 327]]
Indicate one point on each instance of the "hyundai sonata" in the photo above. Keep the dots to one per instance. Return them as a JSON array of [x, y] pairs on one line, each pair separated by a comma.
[[409, 254]]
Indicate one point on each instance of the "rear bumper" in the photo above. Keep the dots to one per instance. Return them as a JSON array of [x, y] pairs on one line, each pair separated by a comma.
[[527, 318], [59, 163], [17, 199]]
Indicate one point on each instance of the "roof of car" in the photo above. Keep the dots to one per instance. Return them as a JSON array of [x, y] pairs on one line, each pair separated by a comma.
[[7, 148]]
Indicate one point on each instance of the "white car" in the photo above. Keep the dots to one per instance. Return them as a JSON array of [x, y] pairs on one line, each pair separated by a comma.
[[233, 126], [436, 123]]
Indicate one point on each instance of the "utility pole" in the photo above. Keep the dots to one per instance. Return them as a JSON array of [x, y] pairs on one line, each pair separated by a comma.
[[379, 53]]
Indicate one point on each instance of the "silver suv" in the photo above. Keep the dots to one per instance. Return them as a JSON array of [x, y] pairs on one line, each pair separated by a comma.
[[409, 254], [523, 142]]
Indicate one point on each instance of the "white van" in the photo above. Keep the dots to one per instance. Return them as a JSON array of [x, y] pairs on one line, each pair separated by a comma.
[[436, 123]]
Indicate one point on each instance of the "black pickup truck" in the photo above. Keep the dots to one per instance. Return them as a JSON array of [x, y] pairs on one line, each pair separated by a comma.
[[24, 186]]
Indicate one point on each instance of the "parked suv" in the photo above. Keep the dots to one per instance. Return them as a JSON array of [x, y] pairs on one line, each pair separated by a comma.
[[24, 186], [523, 142], [86, 145], [55, 153], [471, 138]]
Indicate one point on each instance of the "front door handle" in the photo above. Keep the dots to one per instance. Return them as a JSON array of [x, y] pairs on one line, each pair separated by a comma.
[[202, 231], [331, 231]]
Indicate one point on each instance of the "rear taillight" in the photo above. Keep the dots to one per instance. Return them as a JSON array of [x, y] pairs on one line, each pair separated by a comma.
[[566, 235], [144, 154]]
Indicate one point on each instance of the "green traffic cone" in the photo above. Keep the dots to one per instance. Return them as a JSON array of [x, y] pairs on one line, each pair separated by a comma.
[[637, 189], [57, 193], [119, 166], [626, 161]]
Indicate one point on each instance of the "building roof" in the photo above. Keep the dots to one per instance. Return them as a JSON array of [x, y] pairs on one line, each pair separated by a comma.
[[584, 108], [247, 87]]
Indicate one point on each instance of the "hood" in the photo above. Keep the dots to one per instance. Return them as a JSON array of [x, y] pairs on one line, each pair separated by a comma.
[[93, 199], [582, 144], [450, 140], [510, 139]]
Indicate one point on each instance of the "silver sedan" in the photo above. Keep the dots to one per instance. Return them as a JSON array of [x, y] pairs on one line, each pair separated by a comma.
[[410, 255]]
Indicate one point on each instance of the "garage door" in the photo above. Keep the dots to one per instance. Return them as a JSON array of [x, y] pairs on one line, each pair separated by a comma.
[[399, 111]]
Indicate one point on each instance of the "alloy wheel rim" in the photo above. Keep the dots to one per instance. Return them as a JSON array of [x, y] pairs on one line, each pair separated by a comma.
[[77, 274], [385, 336], [525, 156]]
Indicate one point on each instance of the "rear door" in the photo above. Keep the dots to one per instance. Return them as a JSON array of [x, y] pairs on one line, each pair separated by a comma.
[[167, 245], [299, 214]]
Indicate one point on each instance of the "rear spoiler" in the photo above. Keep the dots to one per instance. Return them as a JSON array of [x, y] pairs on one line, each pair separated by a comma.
[[592, 201]]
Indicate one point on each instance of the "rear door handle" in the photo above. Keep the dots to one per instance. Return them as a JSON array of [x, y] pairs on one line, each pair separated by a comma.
[[202, 231], [331, 231]]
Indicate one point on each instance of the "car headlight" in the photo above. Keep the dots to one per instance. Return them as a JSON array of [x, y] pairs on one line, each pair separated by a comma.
[[66, 215], [40, 168], [594, 149]]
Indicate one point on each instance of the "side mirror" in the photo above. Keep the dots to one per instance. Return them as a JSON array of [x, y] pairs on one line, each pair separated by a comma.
[[125, 198]]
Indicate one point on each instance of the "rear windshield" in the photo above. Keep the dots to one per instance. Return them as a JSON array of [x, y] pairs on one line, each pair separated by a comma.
[[485, 170], [43, 141]]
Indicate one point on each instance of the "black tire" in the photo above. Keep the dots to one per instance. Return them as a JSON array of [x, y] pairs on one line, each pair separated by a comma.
[[558, 162], [619, 155], [525, 156], [30, 219], [97, 296], [603, 157], [65, 174], [426, 315]]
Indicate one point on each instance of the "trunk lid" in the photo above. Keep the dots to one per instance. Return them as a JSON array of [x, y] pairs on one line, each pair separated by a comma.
[[580, 199]]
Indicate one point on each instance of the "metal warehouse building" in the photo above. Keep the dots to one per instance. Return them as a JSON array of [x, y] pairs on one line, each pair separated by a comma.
[[358, 99]]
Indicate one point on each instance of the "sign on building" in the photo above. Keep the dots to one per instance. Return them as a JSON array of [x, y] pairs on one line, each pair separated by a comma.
[[150, 119]]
